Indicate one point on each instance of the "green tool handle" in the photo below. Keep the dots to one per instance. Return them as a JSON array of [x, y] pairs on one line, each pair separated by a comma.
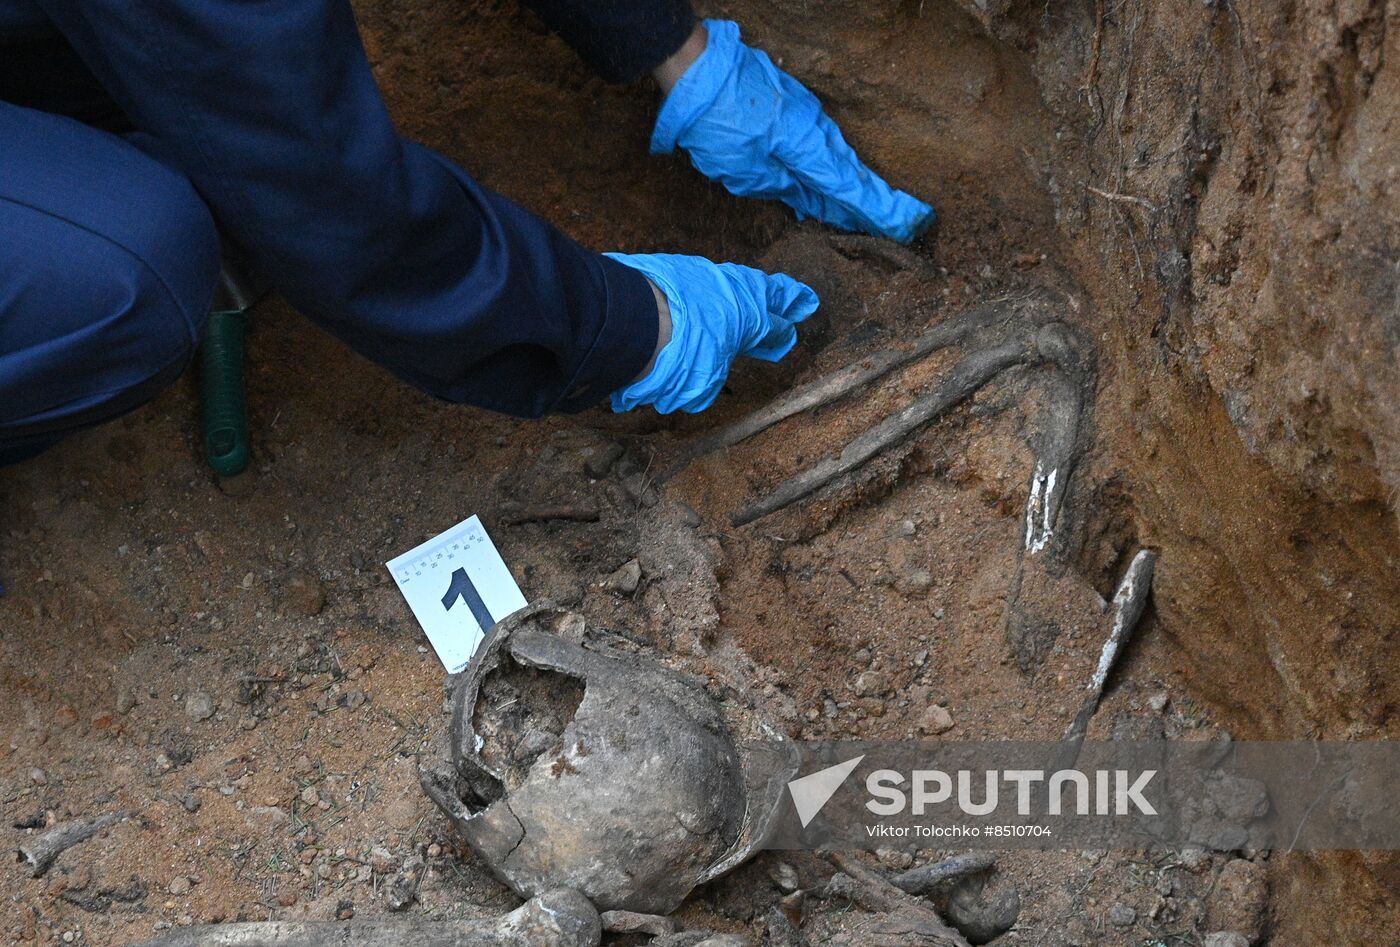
[[223, 406]]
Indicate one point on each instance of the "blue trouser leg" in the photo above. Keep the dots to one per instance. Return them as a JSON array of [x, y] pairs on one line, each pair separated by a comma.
[[270, 110], [108, 260]]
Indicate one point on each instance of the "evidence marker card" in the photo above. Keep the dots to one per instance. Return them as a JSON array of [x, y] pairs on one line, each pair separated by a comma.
[[458, 587]]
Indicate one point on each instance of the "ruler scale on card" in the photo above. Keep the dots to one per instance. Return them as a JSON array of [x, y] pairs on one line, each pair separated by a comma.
[[458, 587]]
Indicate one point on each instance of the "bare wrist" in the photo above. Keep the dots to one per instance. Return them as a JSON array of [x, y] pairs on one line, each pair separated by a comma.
[[669, 72], [663, 328]]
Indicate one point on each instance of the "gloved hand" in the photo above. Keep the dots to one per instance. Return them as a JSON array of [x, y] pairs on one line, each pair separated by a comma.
[[719, 311], [759, 132]]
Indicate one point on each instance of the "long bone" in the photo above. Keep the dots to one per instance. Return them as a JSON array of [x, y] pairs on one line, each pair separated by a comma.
[[558, 918]]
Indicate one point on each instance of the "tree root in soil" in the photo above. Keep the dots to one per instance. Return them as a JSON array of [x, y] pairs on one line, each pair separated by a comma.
[[40, 853]]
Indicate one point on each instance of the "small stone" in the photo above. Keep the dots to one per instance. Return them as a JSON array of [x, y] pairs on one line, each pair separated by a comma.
[[936, 719], [402, 890], [1122, 915], [199, 706], [344, 910], [180, 886], [382, 860], [303, 594], [126, 700], [355, 700], [784, 876], [190, 802], [639, 489], [248, 723], [632, 922], [572, 627], [287, 897], [1193, 859], [310, 796], [626, 578], [938, 613], [1158, 702], [38, 777], [601, 460], [1226, 939], [914, 583], [689, 518], [906, 529], [871, 683]]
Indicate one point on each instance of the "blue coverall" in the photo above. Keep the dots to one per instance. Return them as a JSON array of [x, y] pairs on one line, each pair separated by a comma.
[[264, 119]]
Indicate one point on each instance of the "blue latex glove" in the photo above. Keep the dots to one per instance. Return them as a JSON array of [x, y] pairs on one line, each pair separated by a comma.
[[759, 132], [719, 311]]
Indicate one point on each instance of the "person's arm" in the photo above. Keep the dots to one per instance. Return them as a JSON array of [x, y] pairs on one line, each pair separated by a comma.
[[744, 122], [272, 112], [761, 133]]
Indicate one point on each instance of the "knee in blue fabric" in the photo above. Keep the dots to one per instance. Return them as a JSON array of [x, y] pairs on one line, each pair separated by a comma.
[[93, 324]]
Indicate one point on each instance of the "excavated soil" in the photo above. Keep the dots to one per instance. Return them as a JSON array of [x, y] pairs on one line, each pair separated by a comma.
[[1210, 189]]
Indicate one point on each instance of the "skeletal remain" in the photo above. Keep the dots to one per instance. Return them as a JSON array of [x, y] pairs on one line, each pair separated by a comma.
[[925, 878], [1048, 533], [39, 853], [1058, 445], [702, 939], [601, 771], [983, 907], [900, 919], [842, 382], [630, 922], [996, 336], [1129, 602], [558, 918], [972, 372]]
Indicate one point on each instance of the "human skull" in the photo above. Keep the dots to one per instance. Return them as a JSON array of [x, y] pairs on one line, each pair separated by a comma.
[[593, 769]]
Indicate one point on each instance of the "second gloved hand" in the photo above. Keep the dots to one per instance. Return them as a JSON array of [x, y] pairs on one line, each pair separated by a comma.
[[760, 132], [719, 311]]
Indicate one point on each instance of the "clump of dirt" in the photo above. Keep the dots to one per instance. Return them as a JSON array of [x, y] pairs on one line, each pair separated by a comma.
[[1208, 189], [520, 716]]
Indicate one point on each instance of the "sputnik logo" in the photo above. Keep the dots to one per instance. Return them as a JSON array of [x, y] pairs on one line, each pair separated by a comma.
[[811, 792]]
